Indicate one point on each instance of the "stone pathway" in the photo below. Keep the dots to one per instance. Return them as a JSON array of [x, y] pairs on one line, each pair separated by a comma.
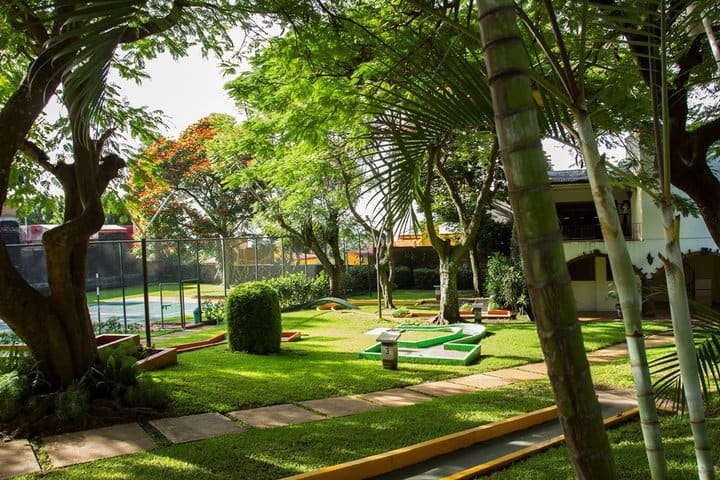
[[17, 457]]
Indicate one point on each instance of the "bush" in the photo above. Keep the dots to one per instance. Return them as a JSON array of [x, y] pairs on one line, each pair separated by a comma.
[[213, 311], [14, 389], [72, 403], [253, 318], [147, 393], [358, 279], [403, 277], [426, 278], [505, 283], [401, 312], [297, 288], [465, 278]]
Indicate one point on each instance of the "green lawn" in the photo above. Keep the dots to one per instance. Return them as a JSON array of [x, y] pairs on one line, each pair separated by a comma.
[[325, 362]]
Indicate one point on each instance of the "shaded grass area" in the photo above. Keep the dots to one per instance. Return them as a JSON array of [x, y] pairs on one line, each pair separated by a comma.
[[188, 336], [325, 363], [275, 453]]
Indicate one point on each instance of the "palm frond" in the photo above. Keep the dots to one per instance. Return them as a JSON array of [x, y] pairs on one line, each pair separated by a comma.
[[668, 384]]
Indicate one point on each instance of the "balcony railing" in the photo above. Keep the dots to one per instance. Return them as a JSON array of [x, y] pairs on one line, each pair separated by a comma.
[[584, 232]]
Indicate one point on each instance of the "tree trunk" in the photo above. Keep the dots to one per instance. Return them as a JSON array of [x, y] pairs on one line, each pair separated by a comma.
[[630, 299], [541, 242], [684, 342], [476, 270], [385, 271], [449, 300]]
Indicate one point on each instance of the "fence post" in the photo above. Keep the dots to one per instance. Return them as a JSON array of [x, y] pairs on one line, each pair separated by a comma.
[[257, 269], [282, 256], [180, 286], [224, 266], [146, 295], [197, 271], [122, 286]]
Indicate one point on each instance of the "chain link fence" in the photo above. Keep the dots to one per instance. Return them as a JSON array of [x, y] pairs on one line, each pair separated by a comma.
[[181, 276]]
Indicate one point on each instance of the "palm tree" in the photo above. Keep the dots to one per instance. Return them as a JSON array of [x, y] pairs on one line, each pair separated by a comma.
[[540, 240]]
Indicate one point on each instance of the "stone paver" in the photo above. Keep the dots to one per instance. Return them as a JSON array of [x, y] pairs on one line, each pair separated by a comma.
[[516, 374], [195, 427], [540, 368], [16, 458], [395, 397], [442, 388], [600, 358], [340, 406], [81, 447], [276, 416], [481, 381]]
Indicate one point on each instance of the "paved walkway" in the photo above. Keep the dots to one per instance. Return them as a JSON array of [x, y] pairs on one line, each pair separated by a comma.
[[19, 457]]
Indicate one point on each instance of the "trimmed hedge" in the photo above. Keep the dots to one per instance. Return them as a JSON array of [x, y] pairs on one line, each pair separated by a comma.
[[403, 277], [426, 278], [297, 288], [253, 318]]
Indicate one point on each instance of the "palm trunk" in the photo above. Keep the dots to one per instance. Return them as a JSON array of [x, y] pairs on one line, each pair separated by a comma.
[[449, 300], [684, 342], [541, 243], [630, 300]]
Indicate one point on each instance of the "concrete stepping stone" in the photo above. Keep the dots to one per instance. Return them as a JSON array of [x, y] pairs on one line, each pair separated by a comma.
[[538, 367], [481, 381], [276, 416], [600, 358], [196, 427], [17, 458], [339, 406], [395, 397], [81, 447], [516, 374], [442, 388]]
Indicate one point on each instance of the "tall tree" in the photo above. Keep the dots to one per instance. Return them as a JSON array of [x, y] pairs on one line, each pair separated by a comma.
[[540, 241], [199, 203], [75, 43]]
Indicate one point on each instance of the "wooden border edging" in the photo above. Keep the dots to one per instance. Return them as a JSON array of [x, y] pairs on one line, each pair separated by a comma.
[[403, 457], [500, 462]]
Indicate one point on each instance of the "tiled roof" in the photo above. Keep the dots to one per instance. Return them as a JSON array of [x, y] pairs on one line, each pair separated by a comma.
[[567, 176]]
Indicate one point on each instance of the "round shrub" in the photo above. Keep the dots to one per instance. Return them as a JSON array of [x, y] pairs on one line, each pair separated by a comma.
[[252, 314]]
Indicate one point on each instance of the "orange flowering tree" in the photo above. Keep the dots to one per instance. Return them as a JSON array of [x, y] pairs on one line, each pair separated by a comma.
[[199, 204]]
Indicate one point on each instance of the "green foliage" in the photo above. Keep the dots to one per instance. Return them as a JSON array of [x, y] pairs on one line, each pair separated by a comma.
[[14, 389], [403, 277], [297, 288], [114, 372], [358, 279], [505, 283], [111, 325], [466, 306], [253, 318], [464, 278], [214, 311], [147, 393], [72, 403], [401, 312], [425, 278]]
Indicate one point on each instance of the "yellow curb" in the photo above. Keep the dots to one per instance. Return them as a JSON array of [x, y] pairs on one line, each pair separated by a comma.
[[538, 447], [403, 457]]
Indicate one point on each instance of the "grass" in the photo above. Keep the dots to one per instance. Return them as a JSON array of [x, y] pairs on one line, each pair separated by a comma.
[[279, 452], [325, 362]]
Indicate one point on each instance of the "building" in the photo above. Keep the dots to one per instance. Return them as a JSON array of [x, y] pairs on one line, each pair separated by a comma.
[[641, 221]]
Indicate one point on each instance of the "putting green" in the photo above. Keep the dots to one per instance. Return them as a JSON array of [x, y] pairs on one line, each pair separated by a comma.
[[457, 344]]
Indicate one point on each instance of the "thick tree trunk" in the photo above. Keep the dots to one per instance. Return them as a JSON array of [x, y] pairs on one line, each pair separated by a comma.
[[541, 243], [685, 344], [449, 299], [630, 299]]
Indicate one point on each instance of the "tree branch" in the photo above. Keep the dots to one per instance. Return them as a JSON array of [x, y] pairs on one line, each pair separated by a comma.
[[158, 25]]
